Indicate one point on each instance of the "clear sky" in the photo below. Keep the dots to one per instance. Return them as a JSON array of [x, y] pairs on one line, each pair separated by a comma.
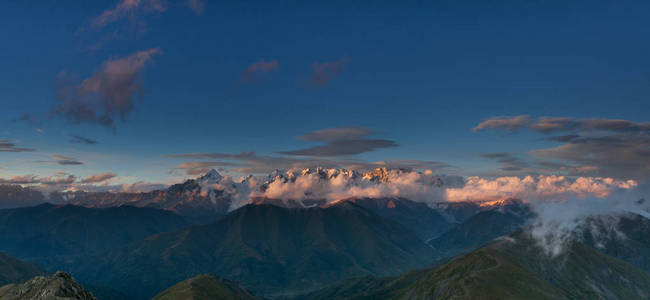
[[117, 87]]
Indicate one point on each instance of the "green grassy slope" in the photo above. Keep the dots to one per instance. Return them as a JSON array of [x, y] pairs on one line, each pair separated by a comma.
[[511, 268], [205, 287]]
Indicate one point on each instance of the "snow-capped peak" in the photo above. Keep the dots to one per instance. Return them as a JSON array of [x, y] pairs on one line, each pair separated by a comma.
[[211, 177]]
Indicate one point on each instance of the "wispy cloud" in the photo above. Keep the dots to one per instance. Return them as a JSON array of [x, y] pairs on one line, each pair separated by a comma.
[[197, 6], [200, 167], [336, 134], [555, 124], [213, 155], [82, 140], [256, 69], [97, 178], [127, 9], [603, 147], [34, 179], [66, 160], [504, 123], [341, 142], [323, 73], [7, 146], [343, 147], [109, 93], [508, 161]]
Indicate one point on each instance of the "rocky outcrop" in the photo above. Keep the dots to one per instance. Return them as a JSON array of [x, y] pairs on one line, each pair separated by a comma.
[[60, 286]]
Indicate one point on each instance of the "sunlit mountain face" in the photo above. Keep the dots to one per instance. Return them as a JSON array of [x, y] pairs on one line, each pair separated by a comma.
[[192, 149]]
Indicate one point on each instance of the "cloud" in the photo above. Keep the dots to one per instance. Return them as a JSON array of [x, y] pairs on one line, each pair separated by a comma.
[[504, 123], [7, 146], [540, 188], [557, 223], [249, 162], [34, 179], [603, 147], [555, 124], [127, 9], [324, 72], [82, 140], [99, 177], [66, 160], [343, 147], [108, 93], [620, 156], [256, 69], [564, 138], [336, 134], [508, 161], [213, 155], [332, 185], [200, 167], [197, 6], [341, 142]]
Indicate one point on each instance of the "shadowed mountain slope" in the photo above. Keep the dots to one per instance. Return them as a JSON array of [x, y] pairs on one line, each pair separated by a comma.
[[16, 271], [53, 235], [269, 249]]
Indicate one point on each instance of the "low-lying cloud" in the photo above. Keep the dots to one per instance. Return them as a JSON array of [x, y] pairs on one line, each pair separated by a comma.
[[535, 189]]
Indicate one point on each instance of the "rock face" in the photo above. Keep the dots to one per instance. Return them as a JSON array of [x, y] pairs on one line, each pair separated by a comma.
[[61, 286]]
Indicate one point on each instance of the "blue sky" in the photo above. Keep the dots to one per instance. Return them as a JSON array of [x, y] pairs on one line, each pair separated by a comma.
[[419, 74]]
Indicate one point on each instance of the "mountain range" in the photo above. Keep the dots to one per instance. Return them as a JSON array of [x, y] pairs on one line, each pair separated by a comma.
[[313, 248], [213, 194]]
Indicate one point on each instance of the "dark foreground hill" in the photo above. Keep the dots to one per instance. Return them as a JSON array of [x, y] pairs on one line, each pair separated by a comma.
[[60, 286], [16, 271], [206, 287], [511, 268], [269, 249], [53, 235]]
